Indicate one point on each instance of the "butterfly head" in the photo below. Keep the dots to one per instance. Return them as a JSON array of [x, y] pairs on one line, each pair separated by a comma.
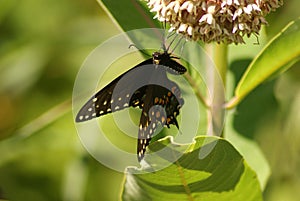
[[165, 59]]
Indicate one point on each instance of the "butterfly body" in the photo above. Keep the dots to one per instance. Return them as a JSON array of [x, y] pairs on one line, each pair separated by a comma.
[[147, 87]]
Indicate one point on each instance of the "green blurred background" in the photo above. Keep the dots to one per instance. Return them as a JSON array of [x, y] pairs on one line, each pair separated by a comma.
[[42, 46]]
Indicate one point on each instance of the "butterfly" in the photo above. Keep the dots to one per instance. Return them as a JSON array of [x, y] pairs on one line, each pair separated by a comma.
[[145, 86]]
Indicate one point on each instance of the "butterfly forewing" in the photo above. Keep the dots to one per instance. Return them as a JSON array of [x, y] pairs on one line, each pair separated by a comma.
[[99, 104], [115, 96]]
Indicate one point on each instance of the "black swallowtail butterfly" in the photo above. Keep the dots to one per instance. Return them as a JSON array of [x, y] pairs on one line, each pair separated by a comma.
[[145, 86]]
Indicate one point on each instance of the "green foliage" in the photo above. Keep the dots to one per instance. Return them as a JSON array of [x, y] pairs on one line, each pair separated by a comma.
[[278, 55], [222, 174], [137, 19]]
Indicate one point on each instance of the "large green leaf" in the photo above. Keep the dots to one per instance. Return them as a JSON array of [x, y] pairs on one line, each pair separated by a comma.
[[129, 14], [208, 169], [278, 55]]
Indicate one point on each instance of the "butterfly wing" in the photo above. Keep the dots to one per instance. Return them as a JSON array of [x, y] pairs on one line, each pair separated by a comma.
[[117, 94], [161, 106]]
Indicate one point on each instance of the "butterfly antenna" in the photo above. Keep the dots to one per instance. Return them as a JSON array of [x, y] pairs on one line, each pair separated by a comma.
[[182, 47], [175, 37], [179, 41], [141, 50], [172, 33], [164, 39]]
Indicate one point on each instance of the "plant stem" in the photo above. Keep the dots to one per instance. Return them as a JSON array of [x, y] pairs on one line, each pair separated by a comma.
[[220, 58], [192, 82], [216, 84], [220, 54]]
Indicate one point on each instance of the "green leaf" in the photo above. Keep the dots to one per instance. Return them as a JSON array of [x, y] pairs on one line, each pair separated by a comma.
[[128, 14], [248, 148], [208, 169], [278, 55]]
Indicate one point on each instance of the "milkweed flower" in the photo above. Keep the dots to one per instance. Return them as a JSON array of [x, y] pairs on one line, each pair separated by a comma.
[[214, 20]]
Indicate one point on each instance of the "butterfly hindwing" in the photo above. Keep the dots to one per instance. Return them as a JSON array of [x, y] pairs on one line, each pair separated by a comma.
[[161, 107]]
